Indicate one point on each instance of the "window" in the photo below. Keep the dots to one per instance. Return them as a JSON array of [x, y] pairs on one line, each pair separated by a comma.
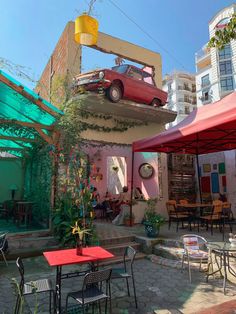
[[186, 110], [205, 96], [135, 73], [186, 86], [147, 77], [186, 98], [225, 67], [120, 68], [193, 88], [226, 83], [205, 80], [169, 87], [225, 53]]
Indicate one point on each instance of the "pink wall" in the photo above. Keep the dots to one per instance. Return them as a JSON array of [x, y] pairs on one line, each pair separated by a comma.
[[149, 187]]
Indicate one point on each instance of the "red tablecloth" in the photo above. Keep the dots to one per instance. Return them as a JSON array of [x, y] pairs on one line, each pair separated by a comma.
[[69, 256]]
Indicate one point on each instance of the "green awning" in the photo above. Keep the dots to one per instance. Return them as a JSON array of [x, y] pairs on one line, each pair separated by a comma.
[[24, 117]]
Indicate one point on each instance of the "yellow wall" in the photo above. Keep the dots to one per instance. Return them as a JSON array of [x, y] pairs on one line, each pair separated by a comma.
[[125, 49]]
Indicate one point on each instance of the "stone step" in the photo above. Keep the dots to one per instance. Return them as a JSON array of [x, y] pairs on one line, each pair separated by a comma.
[[24, 253], [31, 242], [173, 253], [116, 240], [119, 259]]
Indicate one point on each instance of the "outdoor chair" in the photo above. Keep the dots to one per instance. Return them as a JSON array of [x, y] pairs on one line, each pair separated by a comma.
[[175, 215], [32, 287], [227, 217], [215, 217], [92, 290], [126, 272], [194, 246], [4, 246]]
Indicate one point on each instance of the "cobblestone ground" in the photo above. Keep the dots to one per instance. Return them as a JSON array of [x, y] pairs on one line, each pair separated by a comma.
[[160, 288]]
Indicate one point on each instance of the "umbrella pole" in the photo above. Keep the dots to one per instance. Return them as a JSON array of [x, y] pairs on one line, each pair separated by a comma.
[[131, 188], [199, 177]]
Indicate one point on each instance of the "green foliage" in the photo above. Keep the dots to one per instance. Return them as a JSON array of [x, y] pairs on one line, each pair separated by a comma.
[[37, 185], [225, 35], [151, 217]]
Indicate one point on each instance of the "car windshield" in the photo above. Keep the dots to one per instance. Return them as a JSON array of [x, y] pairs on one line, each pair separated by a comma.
[[120, 68]]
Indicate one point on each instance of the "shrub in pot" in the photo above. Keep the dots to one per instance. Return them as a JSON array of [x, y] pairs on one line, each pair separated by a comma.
[[152, 220]]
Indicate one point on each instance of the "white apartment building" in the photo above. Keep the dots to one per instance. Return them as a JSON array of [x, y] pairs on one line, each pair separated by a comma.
[[216, 69], [181, 89], [215, 78]]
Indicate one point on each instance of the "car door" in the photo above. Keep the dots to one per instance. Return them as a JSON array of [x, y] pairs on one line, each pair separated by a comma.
[[151, 91], [135, 89]]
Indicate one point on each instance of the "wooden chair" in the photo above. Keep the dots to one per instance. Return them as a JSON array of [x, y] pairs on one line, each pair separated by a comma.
[[175, 215], [215, 217]]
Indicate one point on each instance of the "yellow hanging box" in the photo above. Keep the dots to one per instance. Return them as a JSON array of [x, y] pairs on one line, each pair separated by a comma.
[[86, 30]]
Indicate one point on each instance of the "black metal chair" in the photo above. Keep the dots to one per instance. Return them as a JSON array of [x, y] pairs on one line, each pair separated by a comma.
[[92, 290], [32, 287], [126, 271], [4, 246]]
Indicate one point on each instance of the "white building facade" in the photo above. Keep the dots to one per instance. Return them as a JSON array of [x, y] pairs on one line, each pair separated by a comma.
[[216, 69], [181, 89], [216, 78]]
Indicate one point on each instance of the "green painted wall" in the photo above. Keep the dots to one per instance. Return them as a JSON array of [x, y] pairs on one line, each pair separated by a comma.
[[11, 172]]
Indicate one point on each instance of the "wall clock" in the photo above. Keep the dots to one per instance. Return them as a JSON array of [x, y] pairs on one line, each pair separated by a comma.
[[146, 171]]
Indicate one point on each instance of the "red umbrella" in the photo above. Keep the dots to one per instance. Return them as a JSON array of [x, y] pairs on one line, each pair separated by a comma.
[[209, 129]]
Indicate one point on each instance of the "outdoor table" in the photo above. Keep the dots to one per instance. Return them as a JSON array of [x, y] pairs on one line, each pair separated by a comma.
[[192, 208], [60, 258], [223, 249], [24, 212]]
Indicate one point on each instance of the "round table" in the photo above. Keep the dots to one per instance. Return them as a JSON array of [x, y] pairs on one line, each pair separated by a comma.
[[223, 250]]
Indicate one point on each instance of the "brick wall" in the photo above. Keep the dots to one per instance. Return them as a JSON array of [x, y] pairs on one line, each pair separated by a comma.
[[65, 59]]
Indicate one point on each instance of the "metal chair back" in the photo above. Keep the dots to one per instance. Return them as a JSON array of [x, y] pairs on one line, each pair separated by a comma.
[[4, 246]]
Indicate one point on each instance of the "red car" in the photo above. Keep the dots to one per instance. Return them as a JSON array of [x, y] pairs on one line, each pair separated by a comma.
[[123, 81]]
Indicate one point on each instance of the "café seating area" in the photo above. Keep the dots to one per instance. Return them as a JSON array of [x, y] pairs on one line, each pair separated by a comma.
[[211, 216]]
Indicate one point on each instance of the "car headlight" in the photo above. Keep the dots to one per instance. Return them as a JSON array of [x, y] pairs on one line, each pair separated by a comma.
[[101, 75]]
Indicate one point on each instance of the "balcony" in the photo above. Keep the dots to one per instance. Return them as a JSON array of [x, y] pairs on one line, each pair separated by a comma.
[[203, 58]]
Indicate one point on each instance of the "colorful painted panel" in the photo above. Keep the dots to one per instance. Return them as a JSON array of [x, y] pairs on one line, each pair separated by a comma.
[[215, 188], [223, 180], [222, 168], [214, 167], [206, 167], [206, 184]]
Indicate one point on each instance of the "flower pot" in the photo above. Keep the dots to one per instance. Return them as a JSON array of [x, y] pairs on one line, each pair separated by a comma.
[[151, 230], [128, 222]]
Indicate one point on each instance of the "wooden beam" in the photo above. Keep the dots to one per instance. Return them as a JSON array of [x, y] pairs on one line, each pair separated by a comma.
[[11, 148], [21, 91], [22, 139], [47, 138], [27, 124]]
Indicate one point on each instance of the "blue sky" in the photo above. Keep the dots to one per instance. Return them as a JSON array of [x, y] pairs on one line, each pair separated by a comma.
[[30, 29]]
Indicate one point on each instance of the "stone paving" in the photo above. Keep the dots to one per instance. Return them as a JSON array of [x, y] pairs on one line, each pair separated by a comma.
[[159, 288]]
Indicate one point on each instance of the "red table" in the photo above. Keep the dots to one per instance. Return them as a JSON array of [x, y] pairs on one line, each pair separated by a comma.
[[91, 255]]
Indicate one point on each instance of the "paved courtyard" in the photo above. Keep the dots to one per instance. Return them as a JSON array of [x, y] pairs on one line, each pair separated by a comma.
[[158, 288]]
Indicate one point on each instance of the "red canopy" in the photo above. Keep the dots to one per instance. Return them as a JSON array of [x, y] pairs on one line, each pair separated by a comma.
[[211, 128]]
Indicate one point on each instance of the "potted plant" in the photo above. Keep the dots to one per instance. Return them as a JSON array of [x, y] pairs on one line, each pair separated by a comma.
[[152, 220], [79, 232], [129, 221]]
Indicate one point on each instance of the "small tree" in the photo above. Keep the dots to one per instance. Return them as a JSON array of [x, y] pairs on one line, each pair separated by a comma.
[[225, 35]]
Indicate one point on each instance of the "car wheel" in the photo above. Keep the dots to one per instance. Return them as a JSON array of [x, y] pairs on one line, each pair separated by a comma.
[[156, 102], [114, 93]]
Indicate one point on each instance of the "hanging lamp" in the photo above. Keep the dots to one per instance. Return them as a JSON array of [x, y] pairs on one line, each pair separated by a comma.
[[86, 30]]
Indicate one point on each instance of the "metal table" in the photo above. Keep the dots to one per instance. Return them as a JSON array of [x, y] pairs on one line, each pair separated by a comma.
[[60, 258], [223, 250]]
